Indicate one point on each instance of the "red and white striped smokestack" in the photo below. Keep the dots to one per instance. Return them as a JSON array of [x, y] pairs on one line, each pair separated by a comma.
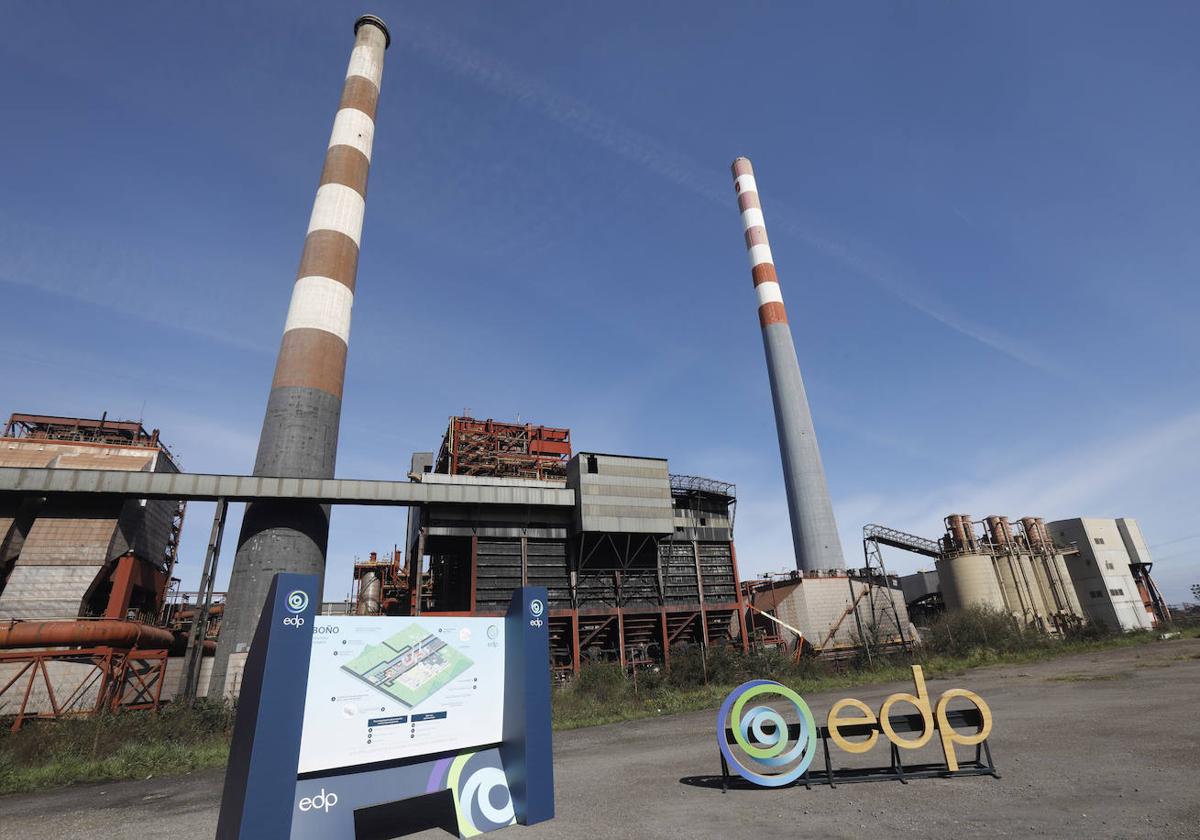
[[300, 430], [814, 531]]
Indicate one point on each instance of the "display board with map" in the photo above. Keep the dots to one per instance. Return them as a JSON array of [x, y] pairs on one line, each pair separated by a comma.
[[409, 666], [383, 688]]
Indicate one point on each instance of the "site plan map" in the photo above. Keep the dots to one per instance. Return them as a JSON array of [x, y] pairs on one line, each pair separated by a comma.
[[382, 688], [410, 666]]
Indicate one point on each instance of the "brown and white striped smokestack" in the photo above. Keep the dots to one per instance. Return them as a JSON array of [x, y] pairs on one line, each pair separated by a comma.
[[300, 430], [814, 531]]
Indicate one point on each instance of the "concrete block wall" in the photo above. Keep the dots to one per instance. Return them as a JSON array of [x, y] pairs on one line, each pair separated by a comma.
[[45, 592], [59, 562]]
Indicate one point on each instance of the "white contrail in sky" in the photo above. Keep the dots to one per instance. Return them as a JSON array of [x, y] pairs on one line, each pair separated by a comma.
[[464, 60]]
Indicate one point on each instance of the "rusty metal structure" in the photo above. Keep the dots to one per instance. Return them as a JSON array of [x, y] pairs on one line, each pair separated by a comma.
[[85, 619], [638, 564], [104, 556], [503, 450], [66, 682], [380, 586]]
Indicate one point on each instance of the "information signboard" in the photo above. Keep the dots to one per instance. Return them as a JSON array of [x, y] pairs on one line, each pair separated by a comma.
[[383, 688], [338, 716]]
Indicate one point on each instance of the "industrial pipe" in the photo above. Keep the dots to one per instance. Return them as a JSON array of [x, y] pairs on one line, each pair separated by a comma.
[[184, 615], [99, 633]]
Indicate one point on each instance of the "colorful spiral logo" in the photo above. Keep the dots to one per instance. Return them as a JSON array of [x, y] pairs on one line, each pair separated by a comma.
[[481, 795], [766, 748], [297, 602]]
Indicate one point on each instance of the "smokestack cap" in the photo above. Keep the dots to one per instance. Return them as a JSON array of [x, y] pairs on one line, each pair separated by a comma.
[[375, 21]]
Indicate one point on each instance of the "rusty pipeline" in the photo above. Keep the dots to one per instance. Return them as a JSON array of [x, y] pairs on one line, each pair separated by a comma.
[[86, 633]]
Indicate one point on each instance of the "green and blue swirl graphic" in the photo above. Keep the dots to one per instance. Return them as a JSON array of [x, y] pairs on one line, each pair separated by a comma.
[[767, 748]]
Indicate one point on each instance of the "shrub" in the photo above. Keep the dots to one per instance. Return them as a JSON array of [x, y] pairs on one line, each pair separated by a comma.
[[981, 629]]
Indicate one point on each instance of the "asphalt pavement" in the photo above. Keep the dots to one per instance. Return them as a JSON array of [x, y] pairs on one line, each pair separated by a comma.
[[1105, 745]]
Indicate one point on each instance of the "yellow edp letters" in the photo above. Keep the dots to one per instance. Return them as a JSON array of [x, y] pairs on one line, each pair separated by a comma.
[[838, 717]]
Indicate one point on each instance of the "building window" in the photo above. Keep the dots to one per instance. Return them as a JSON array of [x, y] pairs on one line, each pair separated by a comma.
[[1108, 565], [1098, 540], [703, 521], [1097, 593], [1116, 592], [593, 467]]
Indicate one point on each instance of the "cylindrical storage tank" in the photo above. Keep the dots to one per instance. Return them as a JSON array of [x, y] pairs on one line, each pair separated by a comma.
[[1032, 534], [996, 530], [1008, 585], [1060, 568], [370, 588], [954, 529], [1022, 605], [1031, 587], [1043, 533], [1045, 584], [970, 543], [969, 580]]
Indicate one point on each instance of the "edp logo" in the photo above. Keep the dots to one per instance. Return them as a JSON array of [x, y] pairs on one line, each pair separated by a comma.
[[297, 602], [321, 802], [536, 608]]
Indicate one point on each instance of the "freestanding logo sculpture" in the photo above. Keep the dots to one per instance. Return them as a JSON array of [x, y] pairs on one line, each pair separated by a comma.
[[759, 736], [767, 747]]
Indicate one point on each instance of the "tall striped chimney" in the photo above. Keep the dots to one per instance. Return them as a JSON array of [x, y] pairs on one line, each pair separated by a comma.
[[814, 531], [300, 430]]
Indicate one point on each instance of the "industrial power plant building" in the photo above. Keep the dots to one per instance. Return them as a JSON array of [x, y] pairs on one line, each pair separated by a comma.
[[1110, 567], [1050, 575], [636, 561], [112, 557]]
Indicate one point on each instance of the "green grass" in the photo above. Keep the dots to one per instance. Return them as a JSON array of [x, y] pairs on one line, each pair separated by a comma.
[[179, 739], [131, 745]]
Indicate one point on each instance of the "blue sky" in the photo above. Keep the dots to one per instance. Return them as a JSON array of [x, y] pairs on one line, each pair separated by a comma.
[[983, 217]]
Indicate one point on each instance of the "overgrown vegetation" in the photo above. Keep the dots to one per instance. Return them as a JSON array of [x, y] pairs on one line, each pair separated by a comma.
[[968, 639], [180, 739], [130, 745]]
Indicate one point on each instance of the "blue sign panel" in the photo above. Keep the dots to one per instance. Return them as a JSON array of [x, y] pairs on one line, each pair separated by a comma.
[[392, 678]]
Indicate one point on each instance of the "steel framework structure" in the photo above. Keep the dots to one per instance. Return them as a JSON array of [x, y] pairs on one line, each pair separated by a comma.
[[503, 450], [116, 679]]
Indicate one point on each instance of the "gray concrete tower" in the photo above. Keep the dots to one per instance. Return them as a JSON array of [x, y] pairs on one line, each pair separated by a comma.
[[814, 532], [300, 430]]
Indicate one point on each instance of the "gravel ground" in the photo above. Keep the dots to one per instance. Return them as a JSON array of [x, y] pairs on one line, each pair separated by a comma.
[[1097, 746]]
